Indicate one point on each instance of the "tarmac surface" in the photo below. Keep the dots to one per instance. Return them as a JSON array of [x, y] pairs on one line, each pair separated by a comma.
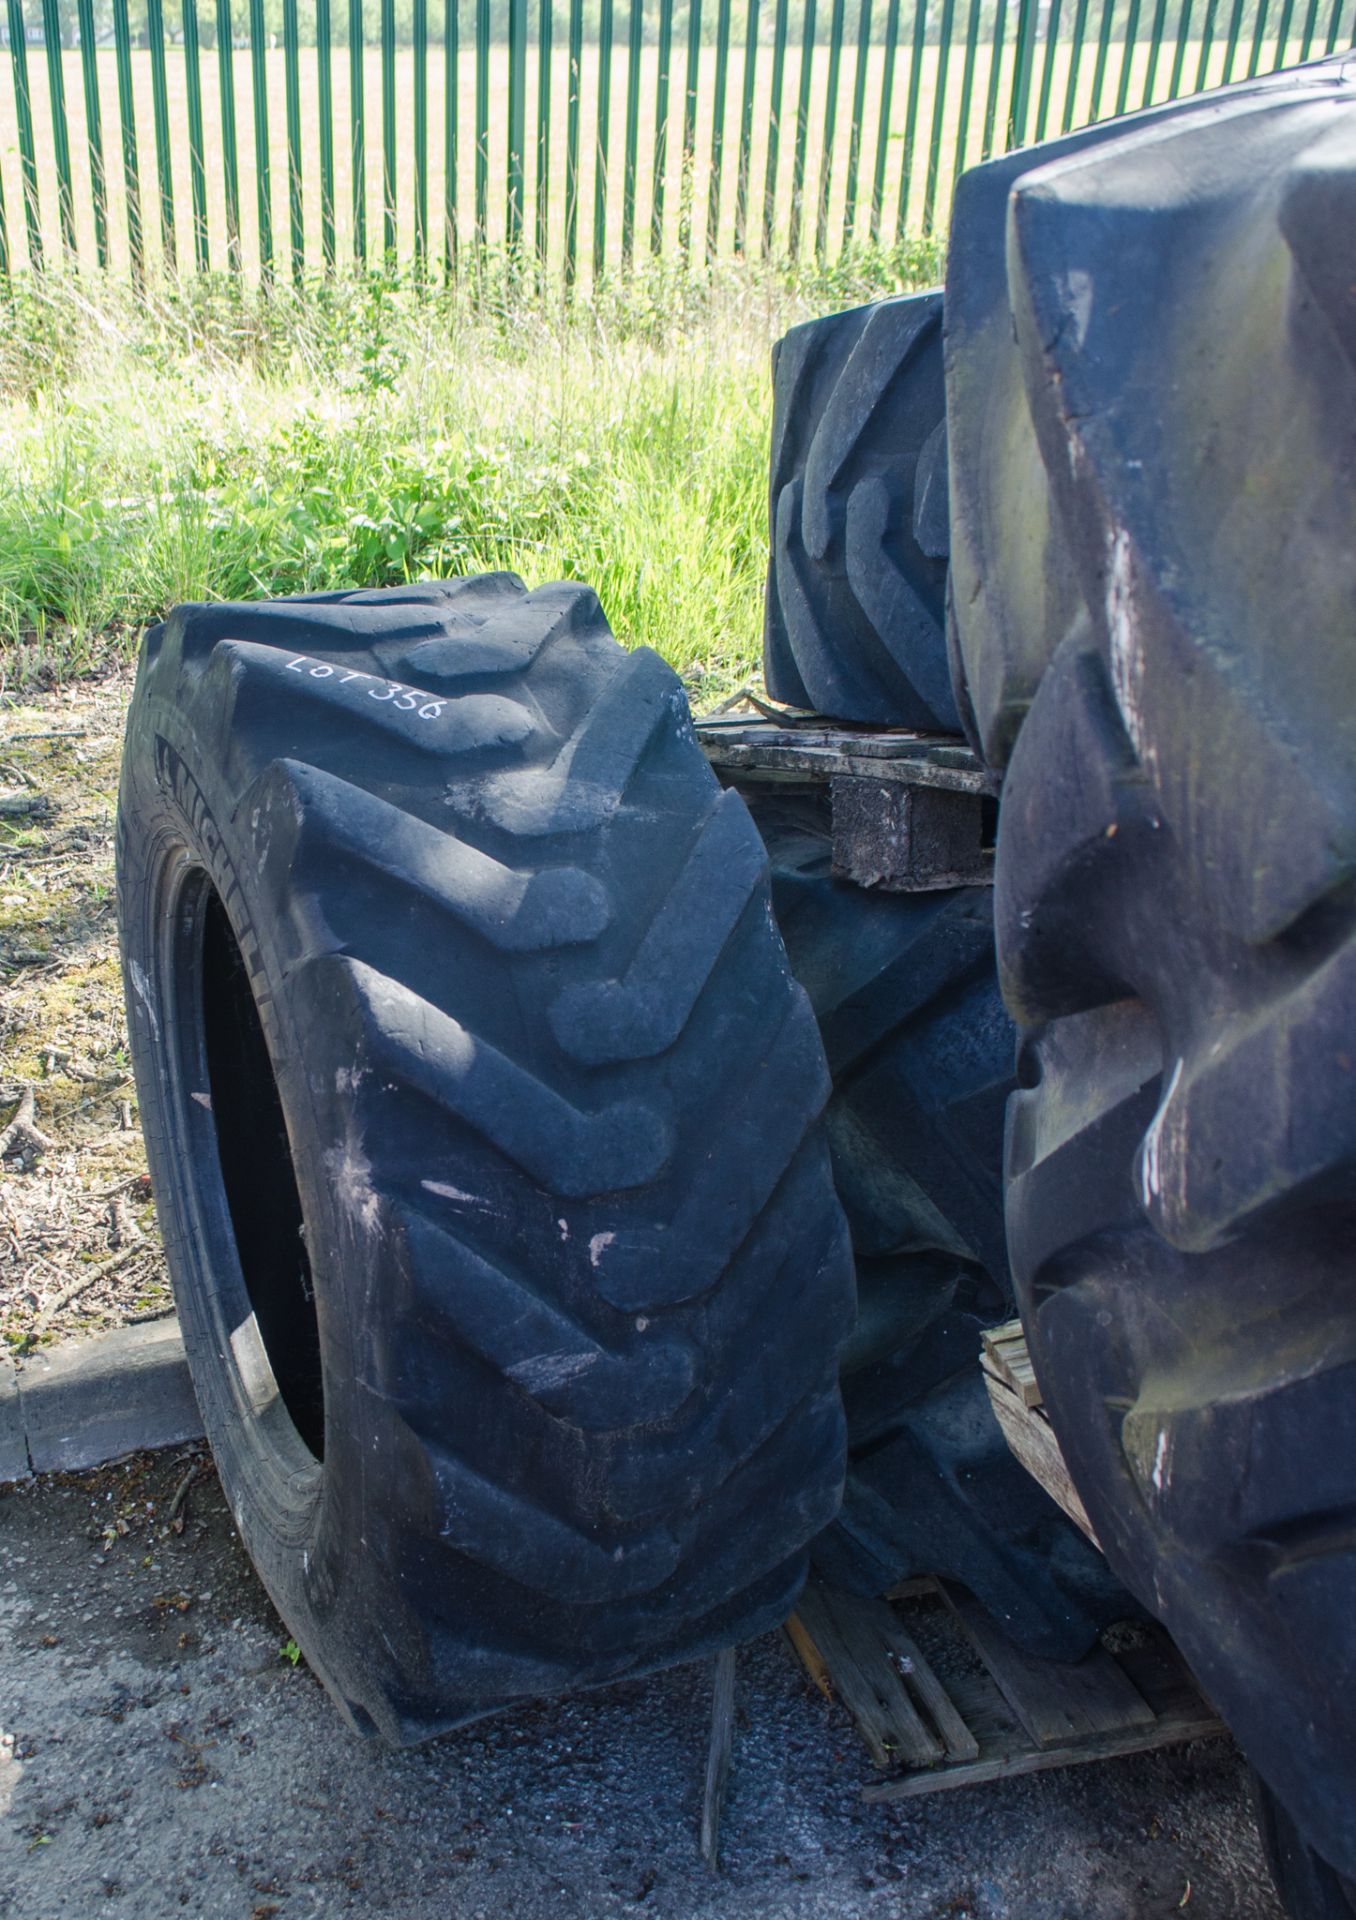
[[160, 1755]]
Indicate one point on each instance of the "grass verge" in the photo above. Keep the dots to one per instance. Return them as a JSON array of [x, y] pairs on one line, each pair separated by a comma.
[[210, 442]]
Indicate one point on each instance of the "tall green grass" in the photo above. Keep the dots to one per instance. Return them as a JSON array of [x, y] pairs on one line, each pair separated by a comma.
[[211, 443]]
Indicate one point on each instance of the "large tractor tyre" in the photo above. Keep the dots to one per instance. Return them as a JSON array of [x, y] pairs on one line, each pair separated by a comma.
[[1309, 1888], [1176, 869], [483, 1117], [858, 511], [921, 1050]]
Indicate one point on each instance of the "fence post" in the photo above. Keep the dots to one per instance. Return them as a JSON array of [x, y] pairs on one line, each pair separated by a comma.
[[920, 28], [515, 171], [830, 129], [1283, 33], [690, 75], [1231, 43], [23, 108], [807, 50], [296, 212], [155, 33], [420, 51], [1048, 68], [1155, 48], [94, 128], [572, 113], [887, 88], [661, 126], [1310, 24], [634, 27], [1128, 56], [718, 128], [128, 122], [451, 125], [324, 58], [263, 181], [1023, 55], [357, 118], [858, 109], [544, 76], [938, 108], [774, 125], [968, 85], [995, 70], [197, 145], [482, 126], [603, 134], [61, 140], [388, 134], [746, 129], [1075, 59], [1103, 49]]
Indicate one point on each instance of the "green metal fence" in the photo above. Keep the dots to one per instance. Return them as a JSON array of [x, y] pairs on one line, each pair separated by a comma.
[[292, 136]]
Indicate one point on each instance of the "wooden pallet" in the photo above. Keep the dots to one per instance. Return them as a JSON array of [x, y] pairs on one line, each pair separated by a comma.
[[1015, 1396], [1000, 1712]]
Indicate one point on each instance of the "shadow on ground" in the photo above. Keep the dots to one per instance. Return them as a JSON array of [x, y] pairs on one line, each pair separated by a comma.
[[160, 1755]]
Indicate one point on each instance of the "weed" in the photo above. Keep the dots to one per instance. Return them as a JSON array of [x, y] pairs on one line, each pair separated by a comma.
[[213, 442]]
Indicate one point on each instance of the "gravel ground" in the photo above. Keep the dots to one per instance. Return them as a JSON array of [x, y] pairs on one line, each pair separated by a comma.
[[78, 1245], [162, 1756]]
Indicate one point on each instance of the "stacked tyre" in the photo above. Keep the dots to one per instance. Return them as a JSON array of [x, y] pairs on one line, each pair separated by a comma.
[[1150, 397], [905, 989], [484, 1119], [1151, 390]]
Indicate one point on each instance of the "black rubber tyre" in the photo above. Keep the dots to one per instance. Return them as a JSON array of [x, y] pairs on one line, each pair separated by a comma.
[[1309, 1888], [919, 1044], [858, 518], [1170, 389], [483, 1119], [921, 1049]]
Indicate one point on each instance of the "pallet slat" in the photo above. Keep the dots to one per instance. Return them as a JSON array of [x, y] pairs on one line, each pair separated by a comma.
[[1008, 1760], [1054, 1702], [1000, 1713], [1016, 1401], [1005, 1354], [846, 1632]]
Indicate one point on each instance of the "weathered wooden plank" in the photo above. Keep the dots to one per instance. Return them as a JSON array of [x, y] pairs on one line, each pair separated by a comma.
[[1005, 1352], [957, 1738], [718, 1754], [917, 1587], [1056, 1703], [1029, 1434], [1002, 1760], [907, 837], [809, 1655], [815, 751], [846, 1634]]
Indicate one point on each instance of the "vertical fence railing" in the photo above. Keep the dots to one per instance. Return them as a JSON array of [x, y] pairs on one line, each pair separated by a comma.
[[818, 108]]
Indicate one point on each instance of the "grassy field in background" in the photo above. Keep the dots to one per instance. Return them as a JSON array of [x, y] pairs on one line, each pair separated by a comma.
[[696, 187], [214, 443]]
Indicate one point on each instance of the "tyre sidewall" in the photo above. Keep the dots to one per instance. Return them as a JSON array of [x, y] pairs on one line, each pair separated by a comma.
[[300, 1521]]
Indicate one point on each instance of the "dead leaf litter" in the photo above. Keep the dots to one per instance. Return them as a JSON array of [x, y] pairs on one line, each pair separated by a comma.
[[79, 1250]]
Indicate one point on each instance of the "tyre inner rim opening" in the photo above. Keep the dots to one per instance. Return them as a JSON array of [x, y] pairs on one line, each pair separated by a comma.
[[255, 1163]]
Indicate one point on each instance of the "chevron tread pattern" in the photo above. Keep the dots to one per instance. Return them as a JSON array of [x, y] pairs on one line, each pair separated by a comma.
[[854, 612], [568, 1102]]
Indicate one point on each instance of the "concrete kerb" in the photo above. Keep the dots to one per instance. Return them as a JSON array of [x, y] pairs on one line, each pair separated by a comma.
[[85, 1402]]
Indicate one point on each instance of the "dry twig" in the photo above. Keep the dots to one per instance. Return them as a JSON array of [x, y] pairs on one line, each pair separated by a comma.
[[81, 1284], [23, 1130]]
